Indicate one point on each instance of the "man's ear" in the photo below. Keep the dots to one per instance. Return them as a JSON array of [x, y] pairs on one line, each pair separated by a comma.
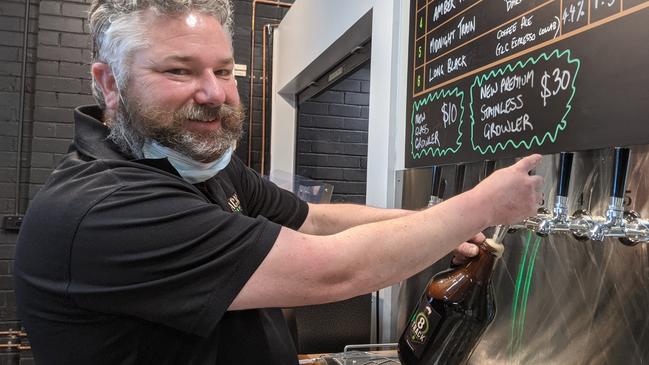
[[103, 76]]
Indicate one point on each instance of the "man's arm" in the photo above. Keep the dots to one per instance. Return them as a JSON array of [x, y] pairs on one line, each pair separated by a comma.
[[304, 269], [324, 219]]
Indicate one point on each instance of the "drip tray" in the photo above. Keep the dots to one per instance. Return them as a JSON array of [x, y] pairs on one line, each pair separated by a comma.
[[362, 358], [354, 357]]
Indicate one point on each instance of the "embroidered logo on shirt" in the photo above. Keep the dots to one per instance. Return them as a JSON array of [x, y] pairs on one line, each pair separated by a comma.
[[234, 204]]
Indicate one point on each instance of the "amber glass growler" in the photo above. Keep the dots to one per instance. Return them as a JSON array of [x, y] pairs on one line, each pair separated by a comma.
[[454, 310]]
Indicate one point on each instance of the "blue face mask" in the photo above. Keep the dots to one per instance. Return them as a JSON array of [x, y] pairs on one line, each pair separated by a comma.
[[190, 170]]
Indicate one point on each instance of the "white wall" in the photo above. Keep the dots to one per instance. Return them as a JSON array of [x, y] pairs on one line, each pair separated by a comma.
[[303, 51], [303, 38]]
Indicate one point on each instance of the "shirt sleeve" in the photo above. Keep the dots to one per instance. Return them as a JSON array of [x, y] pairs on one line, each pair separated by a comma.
[[161, 253], [263, 198]]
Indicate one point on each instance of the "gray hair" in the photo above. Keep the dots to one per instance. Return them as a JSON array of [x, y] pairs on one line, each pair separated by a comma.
[[117, 30]]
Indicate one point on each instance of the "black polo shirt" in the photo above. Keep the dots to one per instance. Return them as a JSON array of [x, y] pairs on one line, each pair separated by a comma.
[[121, 261]]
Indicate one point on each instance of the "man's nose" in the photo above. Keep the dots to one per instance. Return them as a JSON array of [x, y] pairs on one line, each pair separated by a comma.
[[209, 90]]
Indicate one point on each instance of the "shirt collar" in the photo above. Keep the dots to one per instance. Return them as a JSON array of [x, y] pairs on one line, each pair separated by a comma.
[[91, 139], [91, 135]]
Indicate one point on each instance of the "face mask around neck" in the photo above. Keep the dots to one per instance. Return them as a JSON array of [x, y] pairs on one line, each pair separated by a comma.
[[191, 170]]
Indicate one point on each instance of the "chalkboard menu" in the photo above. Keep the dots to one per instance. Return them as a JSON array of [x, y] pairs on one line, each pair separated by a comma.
[[505, 78]]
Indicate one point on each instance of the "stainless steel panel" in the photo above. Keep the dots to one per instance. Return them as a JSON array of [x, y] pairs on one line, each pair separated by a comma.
[[560, 300]]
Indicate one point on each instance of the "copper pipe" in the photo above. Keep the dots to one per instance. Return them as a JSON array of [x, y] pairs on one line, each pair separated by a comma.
[[263, 99], [13, 333], [15, 346], [18, 335], [252, 66], [264, 78]]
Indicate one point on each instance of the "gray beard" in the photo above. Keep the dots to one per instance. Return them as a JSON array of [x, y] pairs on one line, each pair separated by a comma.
[[129, 129], [122, 133]]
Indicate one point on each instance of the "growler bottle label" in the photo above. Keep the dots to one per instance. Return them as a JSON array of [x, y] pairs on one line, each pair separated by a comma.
[[421, 325]]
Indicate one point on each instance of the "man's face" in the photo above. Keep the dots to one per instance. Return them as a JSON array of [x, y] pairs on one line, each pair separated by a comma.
[[181, 89]]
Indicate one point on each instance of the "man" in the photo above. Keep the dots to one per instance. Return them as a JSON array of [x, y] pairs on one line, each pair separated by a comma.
[[152, 244]]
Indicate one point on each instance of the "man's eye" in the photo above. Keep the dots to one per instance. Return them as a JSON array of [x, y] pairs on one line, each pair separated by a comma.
[[178, 71], [223, 73]]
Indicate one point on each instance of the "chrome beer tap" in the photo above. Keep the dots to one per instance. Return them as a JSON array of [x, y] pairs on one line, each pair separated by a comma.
[[625, 225], [584, 226], [581, 224], [488, 168], [459, 179], [437, 190], [545, 222], [613, 225], [636, 230]]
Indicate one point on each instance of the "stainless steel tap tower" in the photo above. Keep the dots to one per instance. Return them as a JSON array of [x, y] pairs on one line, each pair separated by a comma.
[[617, 222], [573, 284]]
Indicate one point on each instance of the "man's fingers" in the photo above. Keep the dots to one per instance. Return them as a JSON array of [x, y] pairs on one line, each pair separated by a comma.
[[530, 162], [458, 260], [538, 182], [478, 238], [467, 249]]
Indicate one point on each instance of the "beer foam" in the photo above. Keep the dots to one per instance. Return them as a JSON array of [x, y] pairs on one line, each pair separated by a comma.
[[496, 246]]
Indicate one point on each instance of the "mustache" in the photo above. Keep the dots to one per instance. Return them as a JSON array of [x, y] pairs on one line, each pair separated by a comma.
[[227, 114]]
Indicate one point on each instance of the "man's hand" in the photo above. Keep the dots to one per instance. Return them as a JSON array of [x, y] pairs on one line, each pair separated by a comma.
[[511, 194], [467, 250]]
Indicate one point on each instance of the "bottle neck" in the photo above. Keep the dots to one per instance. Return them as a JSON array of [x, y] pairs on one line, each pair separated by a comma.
[[482, 266], [455, 284], [493, 246]]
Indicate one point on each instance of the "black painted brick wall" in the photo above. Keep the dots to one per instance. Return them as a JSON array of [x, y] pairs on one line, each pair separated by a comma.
[[332, 137], [58, 80], [264, 14], [12, 24]]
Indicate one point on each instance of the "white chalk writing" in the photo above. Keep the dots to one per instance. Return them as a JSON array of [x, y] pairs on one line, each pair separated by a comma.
[[512, 3], [443, 41], [455, 63], [521, 124], [420, 118], [502, 107], [443, 8], [423, 142], [449, 114], [466, 27], [436, 72]]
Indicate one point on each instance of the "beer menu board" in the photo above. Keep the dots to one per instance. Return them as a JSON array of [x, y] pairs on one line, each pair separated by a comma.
[[506, 78]]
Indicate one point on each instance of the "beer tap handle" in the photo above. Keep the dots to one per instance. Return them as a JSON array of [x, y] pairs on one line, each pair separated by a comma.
[[437, 181], [437, 188], [488, 168], [635, 230], [565, 167], [614, 223], [459, 178], [620, 167], [545, 223], [560, 209]]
